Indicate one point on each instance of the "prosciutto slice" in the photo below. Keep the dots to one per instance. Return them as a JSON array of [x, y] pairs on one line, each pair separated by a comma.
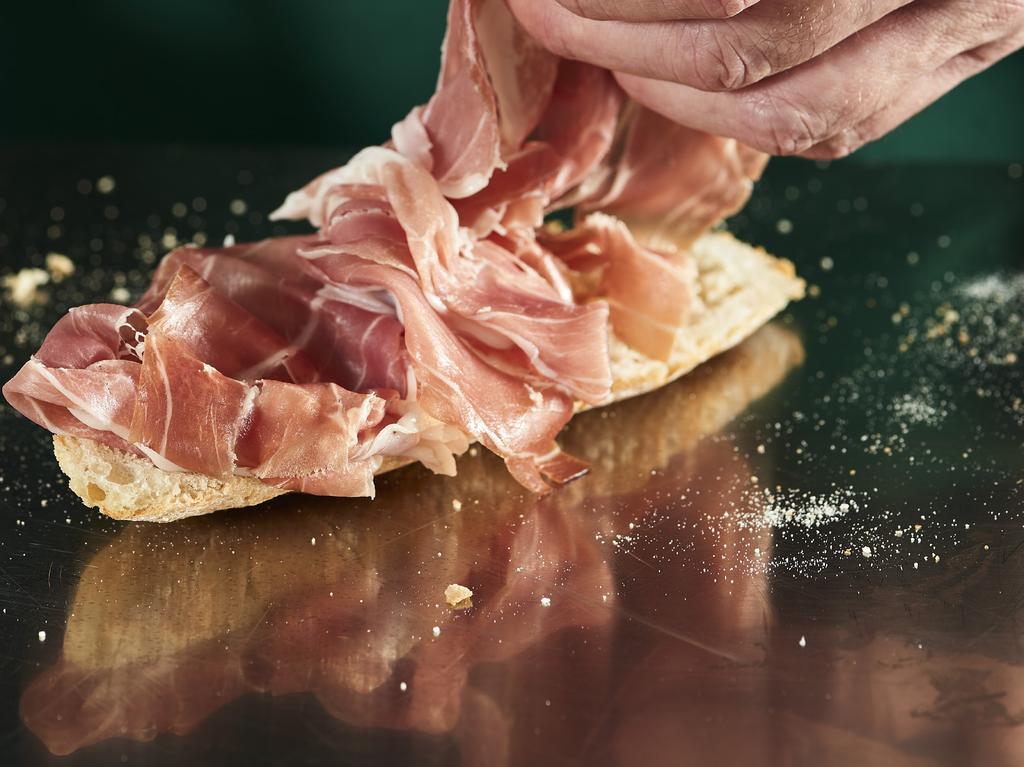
[[431, 306], [352, 337], [508, 415], [650, 293], [494, 85], [672, 181]]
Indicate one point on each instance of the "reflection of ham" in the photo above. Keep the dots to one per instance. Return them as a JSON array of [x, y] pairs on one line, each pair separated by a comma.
[[426, 304]]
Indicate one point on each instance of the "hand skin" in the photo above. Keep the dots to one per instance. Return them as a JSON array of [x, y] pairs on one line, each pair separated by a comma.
[[817, 78]]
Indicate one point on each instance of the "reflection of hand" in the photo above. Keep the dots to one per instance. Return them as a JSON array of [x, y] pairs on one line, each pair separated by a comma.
[[811, 77]]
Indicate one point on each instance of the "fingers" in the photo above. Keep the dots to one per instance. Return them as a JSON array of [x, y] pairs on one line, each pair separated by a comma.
[[713, 55], [925, 91], [656, 10], [832, 97]]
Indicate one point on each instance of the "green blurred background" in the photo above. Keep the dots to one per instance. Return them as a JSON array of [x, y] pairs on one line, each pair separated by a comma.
[[324, 72]]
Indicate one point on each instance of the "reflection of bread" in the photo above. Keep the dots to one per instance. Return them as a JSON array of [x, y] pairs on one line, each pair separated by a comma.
[[739, 289]]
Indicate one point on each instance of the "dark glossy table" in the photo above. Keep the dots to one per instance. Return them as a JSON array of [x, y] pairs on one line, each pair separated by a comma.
[[807, 552]]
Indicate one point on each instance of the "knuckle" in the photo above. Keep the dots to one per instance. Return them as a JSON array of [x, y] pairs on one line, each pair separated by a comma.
[[724, 63], [837, 148], [787, 128]]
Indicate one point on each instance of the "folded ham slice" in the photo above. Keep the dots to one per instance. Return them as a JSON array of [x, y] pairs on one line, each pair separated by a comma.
[[430, 307]]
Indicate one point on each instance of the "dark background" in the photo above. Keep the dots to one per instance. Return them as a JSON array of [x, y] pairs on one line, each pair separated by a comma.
[[322, 72]]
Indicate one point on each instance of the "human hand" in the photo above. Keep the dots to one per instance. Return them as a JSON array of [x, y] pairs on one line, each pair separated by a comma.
[[817, 78]]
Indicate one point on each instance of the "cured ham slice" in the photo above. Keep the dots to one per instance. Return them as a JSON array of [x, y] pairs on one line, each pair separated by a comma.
[[530, 175], [352, 336], [485, 292], [580, 122], [187, 415], [672, 181], [82, 381], [303, 438], [488, 286], [218, 330], [507, 414], [95, 402], [494, 85], [650, 295]]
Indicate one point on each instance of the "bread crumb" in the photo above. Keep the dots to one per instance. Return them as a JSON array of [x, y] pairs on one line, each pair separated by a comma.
[[456, 595], [457, 506], [23, 287], [436, 631], [59, 266]]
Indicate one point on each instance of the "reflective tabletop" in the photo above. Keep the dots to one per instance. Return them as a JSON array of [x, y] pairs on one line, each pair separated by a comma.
[[806, 552]]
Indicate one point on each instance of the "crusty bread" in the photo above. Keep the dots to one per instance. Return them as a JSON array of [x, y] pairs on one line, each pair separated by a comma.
[[739, 289]]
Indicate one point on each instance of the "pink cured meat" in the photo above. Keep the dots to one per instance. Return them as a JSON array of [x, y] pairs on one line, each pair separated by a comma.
[[352, 338], [185, 411], [182, 412], [494, 84], [223, 334], [675, 181], [508, 415], [562, 341], [650, 295], [530, 174], [580, 122], [302, 438], [485, 292]]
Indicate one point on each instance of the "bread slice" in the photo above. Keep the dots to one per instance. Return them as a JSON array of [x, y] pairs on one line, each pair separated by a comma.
[[739, 289]]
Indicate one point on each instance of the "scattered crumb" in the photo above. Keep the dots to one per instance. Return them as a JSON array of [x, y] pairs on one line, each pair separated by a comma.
[[436, 631], [545, 601], [457, 595], [59, 266], [42, 636], [105, 185], [803, 641], [456, 504], [23, 287]]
